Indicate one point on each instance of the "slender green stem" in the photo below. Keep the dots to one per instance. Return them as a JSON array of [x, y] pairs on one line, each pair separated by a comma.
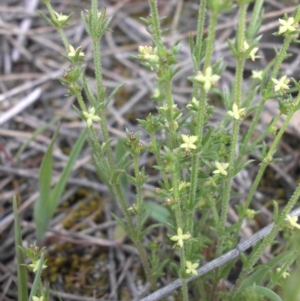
[[99, 154], [262, 136], [200, 124], [175, 186], [81, 101], [210, 40], [270, 154], [134, 236], [266, 241], [64, 39], [157, 155], [155, 23], [138, 192], [280, 58], [236, 128], [200, 29], [103, 121]]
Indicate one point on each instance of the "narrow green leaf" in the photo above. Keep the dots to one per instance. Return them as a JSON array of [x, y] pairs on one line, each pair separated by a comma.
[[148, 229], [42, 207], [60, 186], [264, 291], [112, 94], [89, 93], [232, 48], [122, 159], [121, 223], [21, 269], [157, 212]]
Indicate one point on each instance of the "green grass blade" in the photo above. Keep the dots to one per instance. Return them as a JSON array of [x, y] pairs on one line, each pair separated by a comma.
[[60, 186], [42, 207], [266, 292], [21, 270]]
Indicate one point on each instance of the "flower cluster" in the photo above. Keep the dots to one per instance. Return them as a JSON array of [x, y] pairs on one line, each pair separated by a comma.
[[148, 54]]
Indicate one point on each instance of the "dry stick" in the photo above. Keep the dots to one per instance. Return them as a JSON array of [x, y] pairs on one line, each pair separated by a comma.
[[218, 262], [21, 106], [24, 27]]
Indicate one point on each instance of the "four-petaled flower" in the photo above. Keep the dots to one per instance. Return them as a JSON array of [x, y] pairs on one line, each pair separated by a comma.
[[287, 26], [35, 266], [257, 74], [253, 51], [221, 168], [236, 113], [72, 52], [281, 85], [191, 268], [60, 17], [208, 79], [189, 141], [180, 237], [293, 222], [90, 116]]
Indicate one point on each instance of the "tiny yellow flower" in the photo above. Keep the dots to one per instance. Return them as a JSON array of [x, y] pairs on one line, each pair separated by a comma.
[[208, 79], [253, 51], [189, 141], [72, 52], [281, 85], [250, 213], [35, 298], [287, 26], [257, 74], [147, 53], [60, 17], [293, 222], [179, 238], [221, 168], [35, 266], [284, 274], [191, 268], [90, 116], [236, 113], [145, 49], [193, 103], [183, 185]]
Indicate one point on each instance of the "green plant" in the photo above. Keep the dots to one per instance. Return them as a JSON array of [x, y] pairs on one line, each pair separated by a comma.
[[197, 162]]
